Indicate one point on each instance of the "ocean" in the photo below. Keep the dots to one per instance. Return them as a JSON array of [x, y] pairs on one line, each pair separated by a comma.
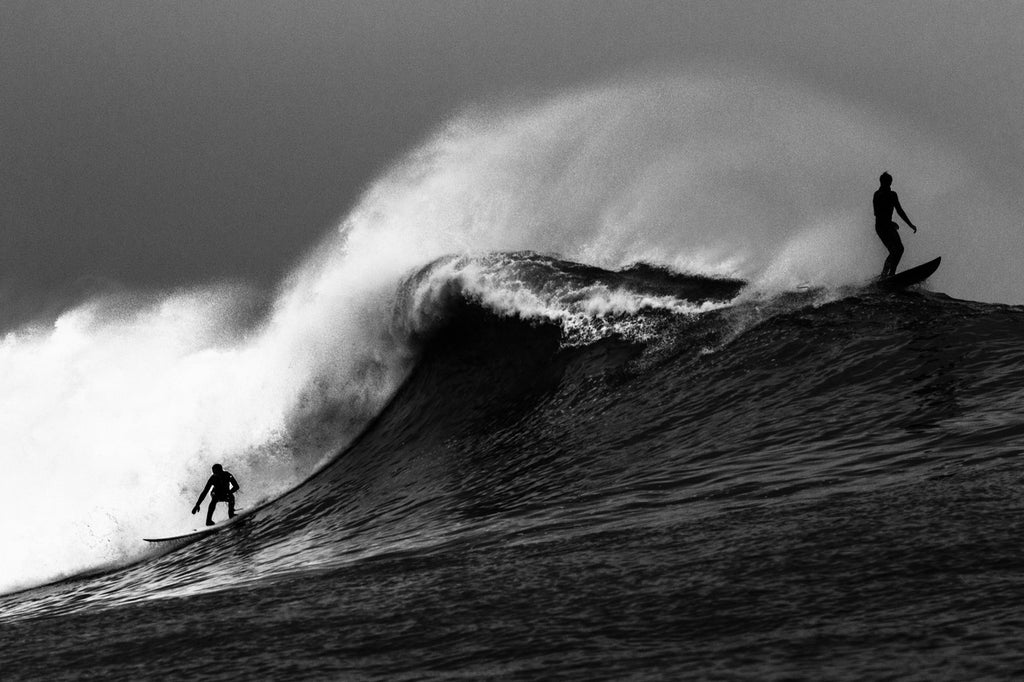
[[578, 472]]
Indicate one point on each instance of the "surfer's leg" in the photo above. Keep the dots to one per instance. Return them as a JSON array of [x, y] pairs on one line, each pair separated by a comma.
[[881, 230], [889, 267], [209, 511], [897, 247], [231, 506], [891, 238], [895, 252]]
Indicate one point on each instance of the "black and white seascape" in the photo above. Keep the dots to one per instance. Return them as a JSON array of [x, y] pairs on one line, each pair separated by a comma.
[[542, 339]]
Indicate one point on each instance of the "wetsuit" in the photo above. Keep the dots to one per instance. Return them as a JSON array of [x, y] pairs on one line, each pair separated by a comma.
[[224, 486]]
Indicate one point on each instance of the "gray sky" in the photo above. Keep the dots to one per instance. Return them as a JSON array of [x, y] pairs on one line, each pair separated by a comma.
[[147, 145]]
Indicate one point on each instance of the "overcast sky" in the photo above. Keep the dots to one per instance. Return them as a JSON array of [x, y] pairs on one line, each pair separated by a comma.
[[153, 144]]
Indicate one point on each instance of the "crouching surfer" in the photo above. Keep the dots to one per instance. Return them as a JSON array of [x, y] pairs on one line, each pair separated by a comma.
[[224, 487], [885, 200]]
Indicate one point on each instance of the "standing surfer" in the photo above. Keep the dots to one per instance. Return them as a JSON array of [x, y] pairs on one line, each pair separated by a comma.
[[885, 200], [224, 488]]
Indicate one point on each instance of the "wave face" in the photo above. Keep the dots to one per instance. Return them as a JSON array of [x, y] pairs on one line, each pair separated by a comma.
[[716, 173], [631, 470]]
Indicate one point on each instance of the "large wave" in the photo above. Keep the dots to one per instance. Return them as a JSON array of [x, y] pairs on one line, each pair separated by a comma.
[[110, 418]]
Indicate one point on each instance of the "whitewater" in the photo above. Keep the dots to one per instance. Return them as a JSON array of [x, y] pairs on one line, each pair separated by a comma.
[[592, 384]]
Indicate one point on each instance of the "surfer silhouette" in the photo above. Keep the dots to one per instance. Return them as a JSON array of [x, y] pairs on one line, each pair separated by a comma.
[[885, 200], [224, 487]]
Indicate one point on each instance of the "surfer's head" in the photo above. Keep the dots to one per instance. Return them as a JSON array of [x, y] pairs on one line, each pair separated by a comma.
[[217, 468], [885, 179]]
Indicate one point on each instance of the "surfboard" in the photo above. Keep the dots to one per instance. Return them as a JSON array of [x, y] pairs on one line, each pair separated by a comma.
[[196, 534], [914, 275]]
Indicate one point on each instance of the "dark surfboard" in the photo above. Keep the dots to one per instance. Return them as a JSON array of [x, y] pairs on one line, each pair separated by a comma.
[[907, 278]]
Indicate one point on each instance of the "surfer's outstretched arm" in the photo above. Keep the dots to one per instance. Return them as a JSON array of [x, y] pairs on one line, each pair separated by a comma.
[[902, 213], [202, 495]]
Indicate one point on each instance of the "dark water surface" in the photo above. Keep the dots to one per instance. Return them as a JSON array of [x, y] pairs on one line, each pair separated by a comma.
[[794, 487]]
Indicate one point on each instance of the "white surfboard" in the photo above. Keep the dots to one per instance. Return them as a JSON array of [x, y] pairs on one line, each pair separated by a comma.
[[196, 534]]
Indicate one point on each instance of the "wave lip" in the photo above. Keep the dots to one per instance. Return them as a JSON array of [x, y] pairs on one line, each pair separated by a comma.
[[587, 302]]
